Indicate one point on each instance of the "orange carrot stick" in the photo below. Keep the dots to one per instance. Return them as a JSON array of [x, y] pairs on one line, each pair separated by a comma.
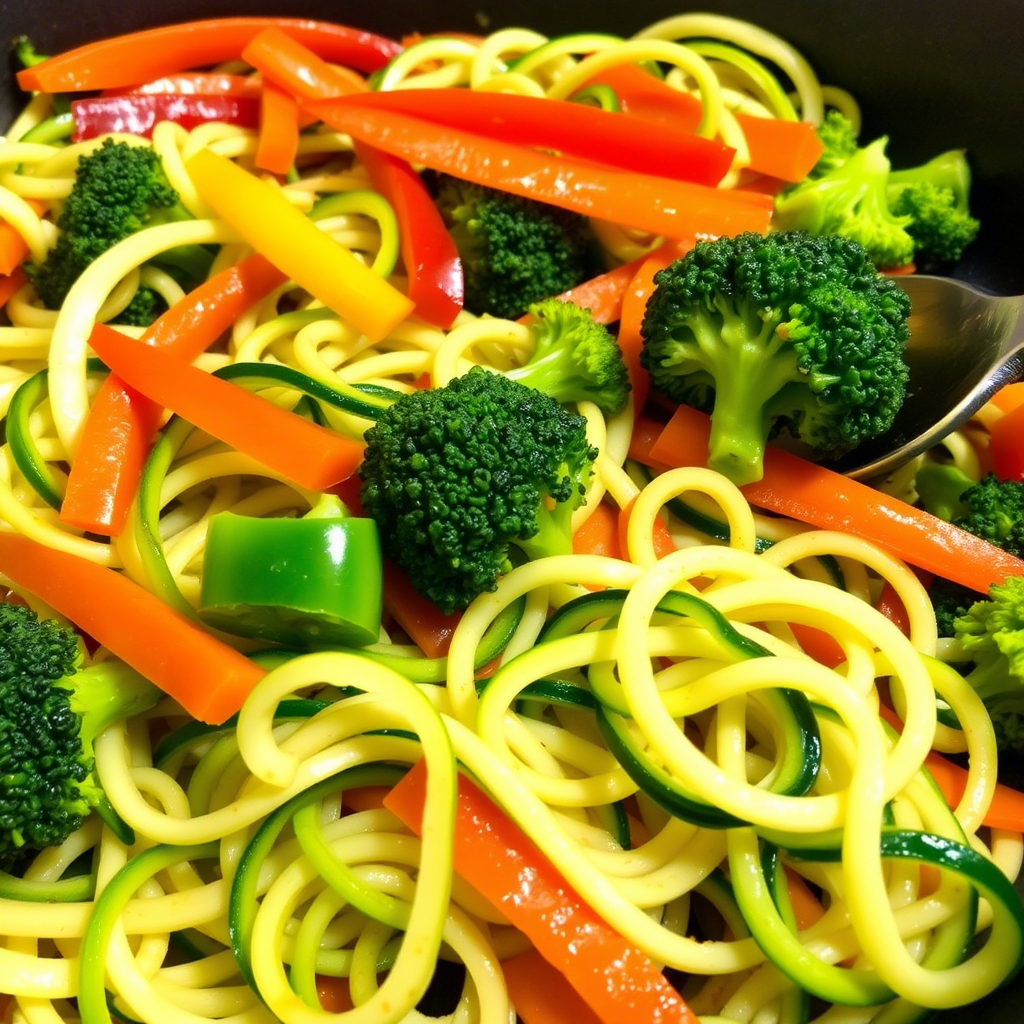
[[599, 535], [209, 679], [541, 995], [278, 139], [13, 248], [802, 490], [296, 69]]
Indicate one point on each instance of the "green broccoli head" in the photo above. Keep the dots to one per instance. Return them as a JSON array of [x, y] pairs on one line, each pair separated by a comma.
[[1008, 724], [839, 142], [787, 331], [574, 359], [458, 476], [514, 251], [51, 709], [850, 200], [994, 511], [992, 635], [119, 189]]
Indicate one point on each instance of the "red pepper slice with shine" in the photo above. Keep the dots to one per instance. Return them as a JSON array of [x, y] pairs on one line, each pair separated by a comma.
[[139, 113]]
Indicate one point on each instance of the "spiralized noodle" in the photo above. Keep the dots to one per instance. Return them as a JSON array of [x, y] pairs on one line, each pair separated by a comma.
[[252, 878]]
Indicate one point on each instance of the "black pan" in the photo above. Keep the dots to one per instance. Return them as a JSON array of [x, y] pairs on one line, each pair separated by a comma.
[[931, 74]]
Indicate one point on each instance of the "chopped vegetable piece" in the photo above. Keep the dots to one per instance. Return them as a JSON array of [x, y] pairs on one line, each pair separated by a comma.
[[13, 248], [1006, 446], [297, 69], [294, 244], [813, 494], [428, 627], [306, 453], [541, 994], [209, 679], [138, 114], [279, 130]]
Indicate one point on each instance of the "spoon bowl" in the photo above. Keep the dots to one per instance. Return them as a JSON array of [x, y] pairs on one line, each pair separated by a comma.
[[964, 346]]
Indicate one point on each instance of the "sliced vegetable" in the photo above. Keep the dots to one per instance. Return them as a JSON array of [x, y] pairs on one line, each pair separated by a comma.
[[1005, 445], [296, 69], [801, 490], [294, 244], [295, 448], [603, 295], [428, 627], [617, 980], [663, 542], [137, 57], [659, 205], [1009, 397], [13, 248], [303, 582], [139, 113], [541, 994], [567, 128], [202, 83], [10, 283], [779, 148], [118, 430], [278, 140], [599, 534], [429, 253], [209, 679]]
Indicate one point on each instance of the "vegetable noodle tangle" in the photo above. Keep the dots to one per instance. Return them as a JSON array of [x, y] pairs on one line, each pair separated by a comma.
[[692, 720]]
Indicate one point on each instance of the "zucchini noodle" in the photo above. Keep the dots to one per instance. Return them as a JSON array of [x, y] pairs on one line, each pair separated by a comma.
[[657, 725]]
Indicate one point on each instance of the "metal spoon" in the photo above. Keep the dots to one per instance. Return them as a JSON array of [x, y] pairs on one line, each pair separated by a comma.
[[964, 345]]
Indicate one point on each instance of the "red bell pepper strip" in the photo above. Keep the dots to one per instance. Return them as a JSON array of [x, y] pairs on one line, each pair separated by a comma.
[[297, 69], [193, 83], [568, 128], [209, 679], [139, 113], [432, 262], [278, 140], [142, 56], [120, 424], [311, 456], [659, 205], [428, 627], [1006, 445], [801, 490], [782, 149], [618, 981]]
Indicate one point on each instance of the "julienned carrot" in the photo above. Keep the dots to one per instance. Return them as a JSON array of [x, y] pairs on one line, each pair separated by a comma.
[[297, 69], [138, 57], [566, 128], [13, 248], [120, 424], [10, 283], [801, 490], [807, 908], [278, 139], [599, 534], [294, 244], [541, 995], [782, 149], [661, 206], [429, 254], [209, 679], [428, 627], [333, 993], [618, 981], [294, 448], [603, 295]]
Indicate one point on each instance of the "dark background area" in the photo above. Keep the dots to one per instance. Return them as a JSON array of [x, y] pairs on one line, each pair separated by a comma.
[[930, 74]]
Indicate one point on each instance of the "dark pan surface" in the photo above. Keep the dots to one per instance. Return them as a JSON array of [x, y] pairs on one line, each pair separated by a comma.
[[931, 74]]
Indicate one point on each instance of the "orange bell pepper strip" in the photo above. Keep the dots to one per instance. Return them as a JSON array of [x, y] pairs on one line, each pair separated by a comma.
[[282, 59], [428, 627], [296, 246], [618, 981], [309, 455], [778, 148], [278, 139], [137, 57], [1008, 398], [120, 424], [10, 283], [541, 995], [209, 679], [13, 248], [599, 534], [650, 203], [570, 129], [801, 490], [429, 254], [1006, 446]]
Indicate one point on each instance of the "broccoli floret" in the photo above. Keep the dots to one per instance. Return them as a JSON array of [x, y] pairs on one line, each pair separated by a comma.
[[514, 251], [940, 489], [838, 140], [574, 359], [785, 331], [992, 635], [850, 200], [935, 196], [458, 476], [118, 189], [51, 709]]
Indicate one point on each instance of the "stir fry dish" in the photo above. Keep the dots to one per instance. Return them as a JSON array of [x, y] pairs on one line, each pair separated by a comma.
[[424, 591]]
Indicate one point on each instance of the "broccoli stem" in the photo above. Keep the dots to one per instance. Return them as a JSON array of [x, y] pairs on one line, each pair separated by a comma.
[[105, 693]]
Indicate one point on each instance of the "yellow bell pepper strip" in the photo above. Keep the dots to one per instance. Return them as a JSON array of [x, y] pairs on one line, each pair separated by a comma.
[[309, 455], [209, 679], [138, 57], [661, 206], [617, 980], [801, 490], [262, 215], [303, 582]]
